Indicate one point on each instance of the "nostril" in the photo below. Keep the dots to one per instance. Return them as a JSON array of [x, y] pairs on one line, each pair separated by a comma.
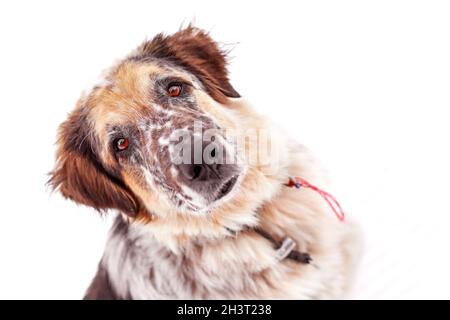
[[197, 170], [193, 172], [213, 153]]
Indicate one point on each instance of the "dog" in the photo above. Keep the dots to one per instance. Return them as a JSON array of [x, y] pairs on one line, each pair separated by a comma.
[[197, 229]]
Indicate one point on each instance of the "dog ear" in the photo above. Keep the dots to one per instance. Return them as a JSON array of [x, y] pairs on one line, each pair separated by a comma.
[[194, 50], [80, 176]]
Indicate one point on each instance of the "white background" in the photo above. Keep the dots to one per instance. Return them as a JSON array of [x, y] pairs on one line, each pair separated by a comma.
[[365, 84]]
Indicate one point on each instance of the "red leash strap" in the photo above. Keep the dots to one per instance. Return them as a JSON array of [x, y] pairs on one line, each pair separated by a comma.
[[298, 182]]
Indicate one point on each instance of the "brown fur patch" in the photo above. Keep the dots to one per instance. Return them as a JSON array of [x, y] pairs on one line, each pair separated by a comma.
[[194, 50], [80, 176]]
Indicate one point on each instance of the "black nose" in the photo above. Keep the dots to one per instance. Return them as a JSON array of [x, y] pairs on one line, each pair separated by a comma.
[[201, 172], [209, 177], [212, 181]]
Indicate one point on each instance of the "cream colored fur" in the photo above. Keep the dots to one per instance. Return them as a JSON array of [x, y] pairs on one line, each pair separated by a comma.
[[197, 257]]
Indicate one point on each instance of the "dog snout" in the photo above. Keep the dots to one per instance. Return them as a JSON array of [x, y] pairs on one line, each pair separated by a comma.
[[207, 174], [212, 181], [201, 173]]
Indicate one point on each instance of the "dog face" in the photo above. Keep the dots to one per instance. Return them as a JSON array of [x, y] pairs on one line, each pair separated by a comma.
[[118, 147]]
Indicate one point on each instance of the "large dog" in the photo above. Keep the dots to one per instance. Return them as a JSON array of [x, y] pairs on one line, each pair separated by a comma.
[[197, 229]]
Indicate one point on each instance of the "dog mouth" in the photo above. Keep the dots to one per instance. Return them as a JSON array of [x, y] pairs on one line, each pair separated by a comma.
[[226, 187]]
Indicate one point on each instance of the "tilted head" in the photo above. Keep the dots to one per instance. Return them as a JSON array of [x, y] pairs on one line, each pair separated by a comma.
[[137, 143]]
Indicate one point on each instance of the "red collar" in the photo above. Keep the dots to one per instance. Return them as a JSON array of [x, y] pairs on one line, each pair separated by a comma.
[[299, 182]]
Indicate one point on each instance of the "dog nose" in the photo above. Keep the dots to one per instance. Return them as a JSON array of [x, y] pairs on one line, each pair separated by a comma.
[[212, 181], [200, 172], [209, 177]]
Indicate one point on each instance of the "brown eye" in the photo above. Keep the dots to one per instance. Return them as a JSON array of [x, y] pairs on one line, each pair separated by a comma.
[[174, 89], [121, 144]]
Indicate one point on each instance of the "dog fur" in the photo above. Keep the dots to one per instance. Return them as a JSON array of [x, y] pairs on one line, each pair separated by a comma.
[[166, 243]]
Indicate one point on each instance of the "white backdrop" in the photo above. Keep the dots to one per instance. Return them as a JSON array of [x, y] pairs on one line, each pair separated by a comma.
[[371, 98]]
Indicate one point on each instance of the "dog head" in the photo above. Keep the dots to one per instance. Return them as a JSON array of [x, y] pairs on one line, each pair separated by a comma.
[[150, 141]]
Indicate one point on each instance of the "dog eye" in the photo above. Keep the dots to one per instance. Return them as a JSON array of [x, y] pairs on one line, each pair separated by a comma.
[[121, 144], [174, 89]]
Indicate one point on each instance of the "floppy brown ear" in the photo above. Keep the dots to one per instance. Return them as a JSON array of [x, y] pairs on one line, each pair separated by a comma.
[[194, 50], [80, 176]]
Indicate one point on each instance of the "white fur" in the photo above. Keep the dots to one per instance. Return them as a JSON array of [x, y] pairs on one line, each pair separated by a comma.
[[244, 266]]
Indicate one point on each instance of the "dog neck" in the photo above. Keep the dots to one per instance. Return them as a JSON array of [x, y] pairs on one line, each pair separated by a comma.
[[284, 248]]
